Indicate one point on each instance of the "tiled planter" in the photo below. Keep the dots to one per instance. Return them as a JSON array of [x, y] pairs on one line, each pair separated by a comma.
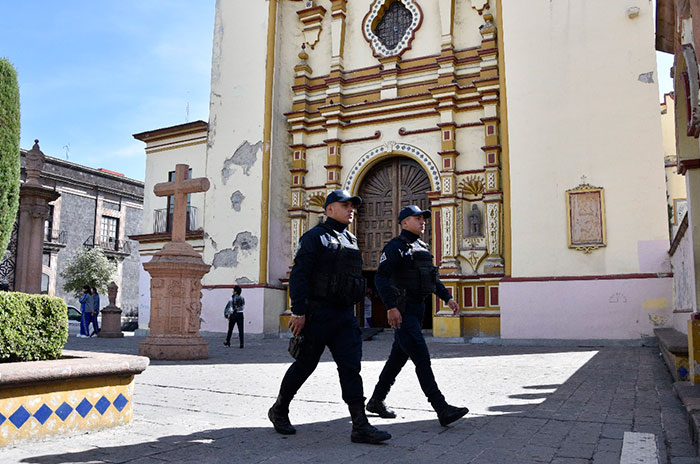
[[79, 392]]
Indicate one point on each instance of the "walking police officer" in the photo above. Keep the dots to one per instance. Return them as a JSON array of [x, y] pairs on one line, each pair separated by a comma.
[[405, 277], [324, 285]]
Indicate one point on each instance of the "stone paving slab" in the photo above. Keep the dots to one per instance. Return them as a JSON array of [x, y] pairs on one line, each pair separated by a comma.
[[528, 405]]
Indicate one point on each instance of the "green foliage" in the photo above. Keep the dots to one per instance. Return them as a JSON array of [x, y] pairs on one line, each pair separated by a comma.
[[9, 151], [89, 267], [32, 327]]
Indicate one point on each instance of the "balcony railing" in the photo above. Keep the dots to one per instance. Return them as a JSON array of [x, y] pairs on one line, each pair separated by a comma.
[[55, 236], [163, 220], [109, 245]]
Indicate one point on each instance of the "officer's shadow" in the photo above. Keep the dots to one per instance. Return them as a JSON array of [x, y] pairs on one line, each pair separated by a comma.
[[317, 442]]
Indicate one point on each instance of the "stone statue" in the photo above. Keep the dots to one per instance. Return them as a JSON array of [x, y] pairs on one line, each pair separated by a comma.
[[474, 222]]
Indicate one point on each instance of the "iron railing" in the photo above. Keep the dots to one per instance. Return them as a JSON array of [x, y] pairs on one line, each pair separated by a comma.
[[163, 220], [55, 236], [108, 244]]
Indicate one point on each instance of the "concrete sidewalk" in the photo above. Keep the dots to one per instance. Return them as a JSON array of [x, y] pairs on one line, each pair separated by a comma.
[[528, 404]]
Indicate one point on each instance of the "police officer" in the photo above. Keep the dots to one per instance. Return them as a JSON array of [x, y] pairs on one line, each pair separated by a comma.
[[405, 277], [324, 284]]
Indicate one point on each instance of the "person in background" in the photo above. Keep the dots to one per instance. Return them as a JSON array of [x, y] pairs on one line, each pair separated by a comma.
[[95, 310], [368, 308], [234, 313], [86, 312]]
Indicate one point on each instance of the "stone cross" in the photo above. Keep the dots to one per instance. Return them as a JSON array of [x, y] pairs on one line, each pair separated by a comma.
[[179, 190]]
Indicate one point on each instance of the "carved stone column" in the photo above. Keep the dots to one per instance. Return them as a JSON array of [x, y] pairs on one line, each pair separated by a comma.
[[33, 211]]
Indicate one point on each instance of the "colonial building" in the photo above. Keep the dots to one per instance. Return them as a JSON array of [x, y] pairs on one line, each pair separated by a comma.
[[678, 32], [96, 208], [535, 151]]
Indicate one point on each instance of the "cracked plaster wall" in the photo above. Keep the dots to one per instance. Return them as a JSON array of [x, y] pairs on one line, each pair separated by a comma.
[[234, 152]]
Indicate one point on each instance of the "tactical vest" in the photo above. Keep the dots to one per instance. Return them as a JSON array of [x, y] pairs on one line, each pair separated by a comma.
[[337, 277], [416, 274]]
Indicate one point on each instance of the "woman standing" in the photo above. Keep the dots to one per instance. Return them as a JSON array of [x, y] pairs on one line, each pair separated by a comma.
[[86, 312]]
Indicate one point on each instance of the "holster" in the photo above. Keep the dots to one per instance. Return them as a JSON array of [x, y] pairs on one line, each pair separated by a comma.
[[400, 295], [295, 346]]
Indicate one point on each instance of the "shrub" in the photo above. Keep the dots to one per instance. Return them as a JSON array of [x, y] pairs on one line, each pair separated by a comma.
[[9, 151], [32, 327]]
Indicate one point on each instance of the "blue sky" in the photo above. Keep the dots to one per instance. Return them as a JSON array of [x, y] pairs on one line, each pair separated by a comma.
[[92, 73]]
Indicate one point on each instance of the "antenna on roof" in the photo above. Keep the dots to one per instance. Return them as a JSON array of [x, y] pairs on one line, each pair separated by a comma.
[[187, 108], [67, 147]]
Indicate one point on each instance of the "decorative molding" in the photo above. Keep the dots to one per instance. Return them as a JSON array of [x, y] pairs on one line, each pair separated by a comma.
[[311, 17], [392, 147], [379, 50]]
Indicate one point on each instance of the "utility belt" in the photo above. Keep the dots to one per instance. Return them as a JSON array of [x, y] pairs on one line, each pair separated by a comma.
[[404, 297]]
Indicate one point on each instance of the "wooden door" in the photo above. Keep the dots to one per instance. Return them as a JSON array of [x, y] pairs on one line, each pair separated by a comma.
[[391, 185]]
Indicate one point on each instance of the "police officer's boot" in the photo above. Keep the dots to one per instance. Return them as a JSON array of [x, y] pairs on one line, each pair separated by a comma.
[[378, 407], [362, 431], [447, 414], [279, 416]]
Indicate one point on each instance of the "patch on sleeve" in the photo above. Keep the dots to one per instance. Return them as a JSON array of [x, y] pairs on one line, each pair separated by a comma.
[[382, 258]]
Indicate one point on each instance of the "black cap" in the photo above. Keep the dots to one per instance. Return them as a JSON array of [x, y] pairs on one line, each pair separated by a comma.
[[413, 210], [342, 195]]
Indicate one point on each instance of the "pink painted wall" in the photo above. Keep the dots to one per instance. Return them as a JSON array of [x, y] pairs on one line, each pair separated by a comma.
[[585, 309]]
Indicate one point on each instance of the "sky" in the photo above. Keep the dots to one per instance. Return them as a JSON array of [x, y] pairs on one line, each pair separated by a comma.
[[94, 72]]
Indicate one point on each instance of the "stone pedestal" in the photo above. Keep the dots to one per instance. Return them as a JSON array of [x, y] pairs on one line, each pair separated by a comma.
[[111, 315], [34, 201], [176, 272]]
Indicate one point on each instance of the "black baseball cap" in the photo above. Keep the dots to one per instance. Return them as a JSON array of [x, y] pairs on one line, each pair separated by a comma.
[[342, 195], [413, 210]]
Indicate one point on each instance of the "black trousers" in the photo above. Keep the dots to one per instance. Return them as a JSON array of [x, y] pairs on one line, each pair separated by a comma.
[[233, 319], [337, 330], [410, 344]]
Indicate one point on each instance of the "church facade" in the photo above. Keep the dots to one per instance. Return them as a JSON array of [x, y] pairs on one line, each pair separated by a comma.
[[537, 154]]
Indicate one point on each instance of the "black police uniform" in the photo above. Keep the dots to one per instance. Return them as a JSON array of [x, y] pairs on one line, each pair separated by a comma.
[[324, 284], [405, 277]]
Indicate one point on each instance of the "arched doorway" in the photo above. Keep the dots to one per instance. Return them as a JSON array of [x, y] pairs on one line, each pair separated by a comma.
[[389, 186]]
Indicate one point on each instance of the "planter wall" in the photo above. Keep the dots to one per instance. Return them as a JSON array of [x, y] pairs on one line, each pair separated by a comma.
[[82, 391]]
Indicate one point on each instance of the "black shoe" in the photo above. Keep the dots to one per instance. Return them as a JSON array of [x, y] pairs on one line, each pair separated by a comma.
[[380, 409], [368, 434], [281, 422], [241, 347], [449, 414], [227, 344]]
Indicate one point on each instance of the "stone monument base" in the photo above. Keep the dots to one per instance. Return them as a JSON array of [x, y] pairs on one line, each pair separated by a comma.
[[174, 347]]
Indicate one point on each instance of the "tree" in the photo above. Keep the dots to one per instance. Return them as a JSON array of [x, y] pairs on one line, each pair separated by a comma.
[[9, 151], [88, 267]]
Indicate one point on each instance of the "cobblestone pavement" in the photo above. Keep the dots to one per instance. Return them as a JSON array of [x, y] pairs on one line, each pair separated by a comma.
[[528, 405]]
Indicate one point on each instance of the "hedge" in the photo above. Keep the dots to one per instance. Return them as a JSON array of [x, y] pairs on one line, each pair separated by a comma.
[[32, 327], [9, 151]]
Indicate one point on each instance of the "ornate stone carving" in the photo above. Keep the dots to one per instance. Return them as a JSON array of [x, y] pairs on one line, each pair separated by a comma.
[[585, 215], [493, 213], [472, 186], [448, 233]]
